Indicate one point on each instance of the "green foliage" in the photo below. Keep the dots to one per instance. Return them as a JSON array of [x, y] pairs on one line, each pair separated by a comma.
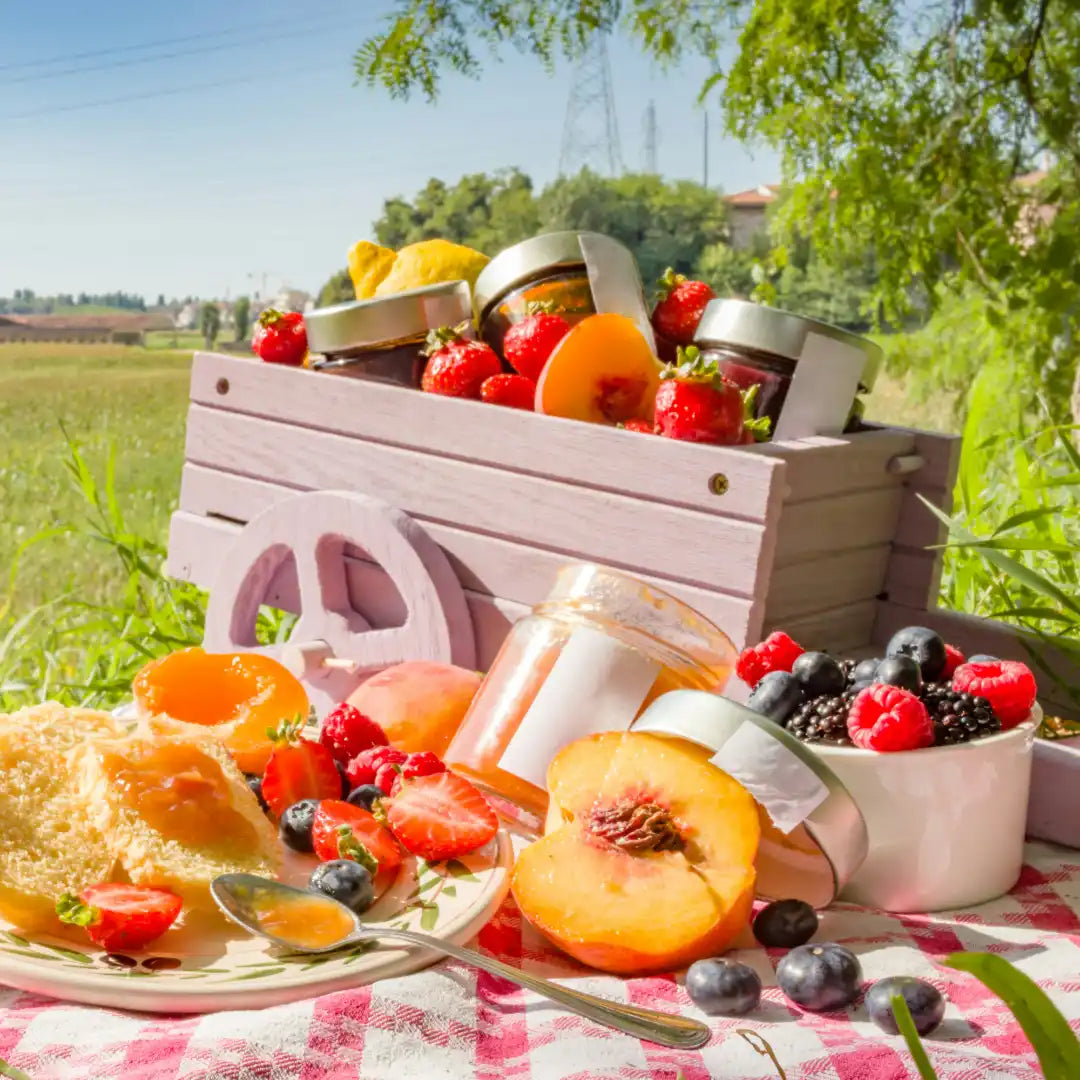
[[242, 317], [338, 290], [209, 323], [902, 129], [27, 302]]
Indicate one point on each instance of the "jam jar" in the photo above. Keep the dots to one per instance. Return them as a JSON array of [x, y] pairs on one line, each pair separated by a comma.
[[599, 650], [755, 345], [383, 338], [548, 272]]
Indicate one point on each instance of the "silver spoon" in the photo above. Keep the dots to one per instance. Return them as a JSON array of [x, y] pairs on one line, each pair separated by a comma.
[[236, 894]]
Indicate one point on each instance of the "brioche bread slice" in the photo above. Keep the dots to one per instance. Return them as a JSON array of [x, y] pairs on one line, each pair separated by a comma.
[[48, 845], [176, 811], [62, 728]]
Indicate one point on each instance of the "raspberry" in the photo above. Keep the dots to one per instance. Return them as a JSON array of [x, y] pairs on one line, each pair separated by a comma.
[[884, 717], [776, 653], [422, 764], [346, 731], [953, 659], [1008, 685], [364, 767]]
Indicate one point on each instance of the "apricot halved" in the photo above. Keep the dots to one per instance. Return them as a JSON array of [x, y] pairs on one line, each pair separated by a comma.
[[603, 372], [647, 858], [238, 695]]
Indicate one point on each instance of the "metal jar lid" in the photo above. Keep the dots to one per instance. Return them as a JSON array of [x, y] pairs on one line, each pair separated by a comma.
[[363, 324], [740, 324], [815, 837], [524, 262]]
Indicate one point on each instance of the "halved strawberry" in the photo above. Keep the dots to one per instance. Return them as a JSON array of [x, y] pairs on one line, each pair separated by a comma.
[[120, 918], [440, 816], [344, 831], [298, 769]]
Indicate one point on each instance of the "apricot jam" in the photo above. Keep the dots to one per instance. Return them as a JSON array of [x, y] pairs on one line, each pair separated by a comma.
[[181, 792], [590, 659], [305, 922]]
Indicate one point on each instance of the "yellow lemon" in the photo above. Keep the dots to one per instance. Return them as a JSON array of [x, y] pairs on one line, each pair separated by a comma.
[[430, 262], [368, 265]]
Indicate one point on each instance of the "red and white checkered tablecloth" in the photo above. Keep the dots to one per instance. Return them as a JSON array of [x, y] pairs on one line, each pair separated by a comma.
[[450, 1022]]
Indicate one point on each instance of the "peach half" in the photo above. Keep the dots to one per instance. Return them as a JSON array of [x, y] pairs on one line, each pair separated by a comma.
[[647, 858], [602, 372]]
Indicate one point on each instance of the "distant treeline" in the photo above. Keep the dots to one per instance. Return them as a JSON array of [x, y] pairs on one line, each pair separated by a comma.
[[27, 302]]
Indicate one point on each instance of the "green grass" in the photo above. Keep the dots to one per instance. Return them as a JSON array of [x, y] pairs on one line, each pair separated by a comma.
[[102, 395]]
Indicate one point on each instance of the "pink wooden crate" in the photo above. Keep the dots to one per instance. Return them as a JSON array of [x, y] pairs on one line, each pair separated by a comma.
[[824, 536]]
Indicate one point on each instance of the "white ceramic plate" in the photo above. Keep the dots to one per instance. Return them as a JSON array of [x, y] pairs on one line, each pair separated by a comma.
[[216, 966]]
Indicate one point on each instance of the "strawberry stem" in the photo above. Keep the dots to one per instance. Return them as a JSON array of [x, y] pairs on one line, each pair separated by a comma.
[[288, 732], [271, 316], [71, 910], [669, 282], [543, 307], [351, 848], [445, 335]]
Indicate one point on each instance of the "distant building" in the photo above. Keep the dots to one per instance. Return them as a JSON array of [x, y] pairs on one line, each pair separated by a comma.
[[746, 213], [119, 329]]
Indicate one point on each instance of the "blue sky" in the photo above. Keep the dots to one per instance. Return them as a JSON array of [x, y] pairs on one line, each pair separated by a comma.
[[247, 150]]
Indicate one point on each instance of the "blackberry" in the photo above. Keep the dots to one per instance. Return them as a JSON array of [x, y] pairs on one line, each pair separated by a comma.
[[958, 717], [822, 719]]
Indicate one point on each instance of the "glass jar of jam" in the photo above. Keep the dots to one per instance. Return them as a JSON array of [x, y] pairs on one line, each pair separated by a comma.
[[383, 339], [551, 272], [600, 649], [754, 345]]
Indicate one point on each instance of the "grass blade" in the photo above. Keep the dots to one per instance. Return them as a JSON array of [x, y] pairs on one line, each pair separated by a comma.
[[11, 1072], [911, 1036], [1049, 1033], [1026, 516]]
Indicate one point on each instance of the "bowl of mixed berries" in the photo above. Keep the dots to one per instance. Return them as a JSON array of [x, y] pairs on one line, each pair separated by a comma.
[[934, 747]]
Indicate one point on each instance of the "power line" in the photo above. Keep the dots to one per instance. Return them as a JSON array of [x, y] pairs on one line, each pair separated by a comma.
[[198, 50], [65, 57]]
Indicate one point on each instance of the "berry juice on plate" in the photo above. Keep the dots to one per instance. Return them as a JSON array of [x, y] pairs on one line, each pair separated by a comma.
[[597, 652]]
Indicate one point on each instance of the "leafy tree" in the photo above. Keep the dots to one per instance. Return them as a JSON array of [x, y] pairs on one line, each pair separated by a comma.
[[902, 128], [338, 290], [242, 317], [209, 323]]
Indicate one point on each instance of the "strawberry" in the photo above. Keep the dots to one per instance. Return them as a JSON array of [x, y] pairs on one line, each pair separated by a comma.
[[440, 816], [696, 404], [298, 769], [120, 918], [280, 338], [345, 731], [364, 768], [514, 391], [638, 425], [457, 367], [343, 831], [423, 763], [528, 345], [680, 307]]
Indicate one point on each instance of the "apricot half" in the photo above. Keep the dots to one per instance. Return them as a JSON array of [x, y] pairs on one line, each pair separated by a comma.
[[239, 695], [603, 372], [647, 858]]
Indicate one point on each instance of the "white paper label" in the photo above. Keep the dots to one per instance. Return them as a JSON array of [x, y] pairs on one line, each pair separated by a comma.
[[597, 684], [789, 790], [824, 385], [615, 282]]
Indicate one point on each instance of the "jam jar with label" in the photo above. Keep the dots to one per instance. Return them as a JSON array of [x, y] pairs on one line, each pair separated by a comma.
[[383, 338], [589, 659], [550, 272], [754, 345]]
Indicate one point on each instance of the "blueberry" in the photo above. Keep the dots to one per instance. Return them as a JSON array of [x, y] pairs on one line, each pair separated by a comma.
[[723, 987], [295, 825], [365, 795], [865, 672], [925, 1003], [819, 674], [346, 787], [784, 924], [922, 645], [255, 783], [346, 881], [902, 671], [777, 696], [820, 978], [982, 658]]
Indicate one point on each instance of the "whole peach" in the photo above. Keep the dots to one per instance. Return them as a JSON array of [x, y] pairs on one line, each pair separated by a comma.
[[419, 705]]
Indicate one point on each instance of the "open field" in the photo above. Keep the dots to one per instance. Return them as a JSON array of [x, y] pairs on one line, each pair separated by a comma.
[[136, 399]]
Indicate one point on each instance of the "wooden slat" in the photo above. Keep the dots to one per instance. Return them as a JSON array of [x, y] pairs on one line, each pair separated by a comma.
[[603, 526], [507, 571], [661, 470], [976, 635], [828, 525], [195, 547], [839, 630], [832, 581], [912, 578]]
